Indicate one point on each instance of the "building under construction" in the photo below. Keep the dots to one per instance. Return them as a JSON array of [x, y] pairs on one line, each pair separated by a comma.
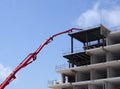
[[97, 66]]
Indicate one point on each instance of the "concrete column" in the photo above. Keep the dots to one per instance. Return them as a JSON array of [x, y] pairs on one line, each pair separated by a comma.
[[89, 86], [63, 78], [76, 77], [74, 87], [106, 85], [94, 87], [108, 72], [111, 72], [93, 59], [91, 74], [109, 85], [107, 41], [110, 56]]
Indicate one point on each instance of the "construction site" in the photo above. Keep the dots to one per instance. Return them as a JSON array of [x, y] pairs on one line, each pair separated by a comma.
[[60, 44], [97, 66]]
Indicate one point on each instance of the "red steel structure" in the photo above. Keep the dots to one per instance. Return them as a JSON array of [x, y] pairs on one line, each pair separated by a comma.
[[30, 58]]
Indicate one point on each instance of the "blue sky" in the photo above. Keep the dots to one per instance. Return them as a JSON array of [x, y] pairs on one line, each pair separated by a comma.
[[25, 24]]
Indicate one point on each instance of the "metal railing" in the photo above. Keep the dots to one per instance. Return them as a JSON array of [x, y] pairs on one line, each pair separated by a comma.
[[76, 50], [62, 66], [54, 82]]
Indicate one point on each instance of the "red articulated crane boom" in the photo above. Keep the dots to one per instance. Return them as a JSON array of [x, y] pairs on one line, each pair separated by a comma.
[[30, 58]]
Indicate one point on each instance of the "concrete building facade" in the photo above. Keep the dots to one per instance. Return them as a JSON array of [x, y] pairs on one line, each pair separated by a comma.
[[97, 66]]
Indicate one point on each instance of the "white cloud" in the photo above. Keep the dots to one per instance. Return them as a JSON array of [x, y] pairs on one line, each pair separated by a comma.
[[111, 16], [89, 17], [100, 13], [4, 72]]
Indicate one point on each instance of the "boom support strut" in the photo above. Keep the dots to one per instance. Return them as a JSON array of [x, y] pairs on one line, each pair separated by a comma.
[[30, 58]]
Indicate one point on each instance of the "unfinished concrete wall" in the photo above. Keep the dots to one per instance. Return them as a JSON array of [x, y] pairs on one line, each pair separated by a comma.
[[110, 41], [111, 72], [112, 56], [98, 74], [81, 76], [109, 85], [81, 87], [98, 59], [113, 38], [95, 87], [115, 72]]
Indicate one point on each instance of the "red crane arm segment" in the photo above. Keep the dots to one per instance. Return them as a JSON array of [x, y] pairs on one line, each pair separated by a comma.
[[30, 58]]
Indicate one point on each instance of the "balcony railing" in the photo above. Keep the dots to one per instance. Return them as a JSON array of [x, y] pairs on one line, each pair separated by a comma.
[[54, 82], [75, 50], [62, 66]]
